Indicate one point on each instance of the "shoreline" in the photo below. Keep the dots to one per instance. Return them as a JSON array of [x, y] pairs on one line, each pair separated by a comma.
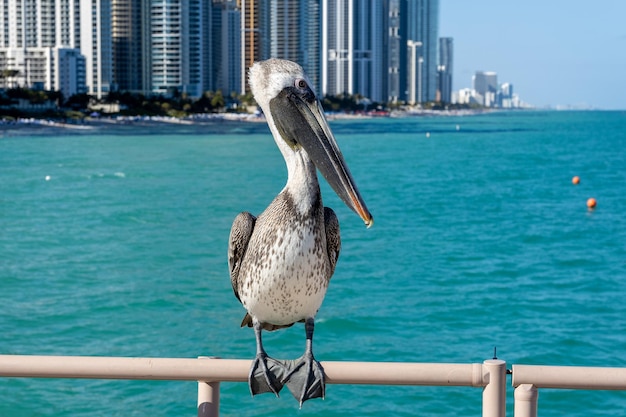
[[208, 118], [38, 126]]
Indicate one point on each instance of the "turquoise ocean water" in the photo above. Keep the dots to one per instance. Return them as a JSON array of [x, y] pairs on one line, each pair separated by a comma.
[[113, 243]]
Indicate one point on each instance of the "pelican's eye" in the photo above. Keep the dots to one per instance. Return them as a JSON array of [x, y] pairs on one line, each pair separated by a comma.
[[300, 83]]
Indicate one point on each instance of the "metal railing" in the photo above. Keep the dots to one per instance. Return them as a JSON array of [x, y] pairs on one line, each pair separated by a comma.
[[528, 378], [209, 372]]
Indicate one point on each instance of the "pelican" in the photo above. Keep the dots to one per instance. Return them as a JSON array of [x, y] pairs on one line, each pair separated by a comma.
[[281, 261]]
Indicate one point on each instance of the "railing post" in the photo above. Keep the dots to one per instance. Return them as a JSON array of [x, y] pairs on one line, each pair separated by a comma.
[[208, 397], [526, 396], [494, 393]]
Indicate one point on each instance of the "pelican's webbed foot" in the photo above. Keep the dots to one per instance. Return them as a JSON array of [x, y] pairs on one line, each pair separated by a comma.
[[266, 375], [306, 380]]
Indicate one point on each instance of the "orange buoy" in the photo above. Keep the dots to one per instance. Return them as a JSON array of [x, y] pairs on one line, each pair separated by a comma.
[[591, 203], [576, 180]]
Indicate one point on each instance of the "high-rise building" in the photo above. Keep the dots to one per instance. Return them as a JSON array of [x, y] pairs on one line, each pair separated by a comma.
[[95, 45], [310, 53], [283, 29], [225, 41], [177, 35], [194, 13], [352, 48], [166, 46], [444, 70], [395, 57], [368, 28], [129, 38], [293, 32], [69, 72], [337, 47], [38, 41], [485, 82], [485, 86], [422, 32], [253, 28], [67, 23]]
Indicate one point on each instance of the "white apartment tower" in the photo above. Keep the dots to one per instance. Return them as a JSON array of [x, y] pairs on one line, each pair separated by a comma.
[[355, 44], [67, 23], [337, 47], [38, 45], [177, 29], [95, 45]]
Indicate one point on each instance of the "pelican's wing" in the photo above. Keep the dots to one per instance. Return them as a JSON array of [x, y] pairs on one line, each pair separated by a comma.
[[333, 238], [240, 234]]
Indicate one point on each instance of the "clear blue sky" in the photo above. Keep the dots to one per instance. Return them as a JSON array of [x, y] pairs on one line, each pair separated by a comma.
[[554, 52]]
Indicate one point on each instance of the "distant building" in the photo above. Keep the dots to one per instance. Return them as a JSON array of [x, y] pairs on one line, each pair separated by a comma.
[[178, 46], [225, 60], [67, 23], [368, 50], [444, 70], [337, 47], [385, 51], [505, 95], [310, 45], [293, 32], [394, 63], [95, 45], [353, 53], [463, 96], [69, 71], [166, 47], [253, 37], [422, 32], [283, 29], [506, 90], [130, 45], [485, 82], [38, 45], [485, 86], [486, 92]]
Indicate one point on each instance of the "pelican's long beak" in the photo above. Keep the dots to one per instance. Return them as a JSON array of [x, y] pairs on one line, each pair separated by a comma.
[[300, 120]]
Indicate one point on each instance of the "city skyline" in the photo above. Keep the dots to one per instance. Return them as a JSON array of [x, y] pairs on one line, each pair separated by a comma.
[[169, 47], [548, 56], [558, 53]]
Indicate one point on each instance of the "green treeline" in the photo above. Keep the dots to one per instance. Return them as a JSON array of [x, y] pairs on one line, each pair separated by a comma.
[[21, 102]]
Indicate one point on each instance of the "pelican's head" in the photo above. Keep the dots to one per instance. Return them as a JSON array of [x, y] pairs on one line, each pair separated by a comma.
[[296, 119]]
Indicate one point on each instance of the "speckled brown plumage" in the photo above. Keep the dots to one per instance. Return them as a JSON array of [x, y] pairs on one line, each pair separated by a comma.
[[257, 246]]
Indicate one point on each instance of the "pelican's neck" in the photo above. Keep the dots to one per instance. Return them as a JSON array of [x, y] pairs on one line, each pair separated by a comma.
[[302, 182]]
